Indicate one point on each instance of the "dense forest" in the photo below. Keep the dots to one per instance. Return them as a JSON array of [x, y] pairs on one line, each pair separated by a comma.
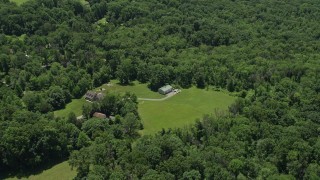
[[267, 52]]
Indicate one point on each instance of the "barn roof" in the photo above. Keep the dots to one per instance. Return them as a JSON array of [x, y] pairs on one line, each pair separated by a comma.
[[99, 115], [91, 94], [165, 88]]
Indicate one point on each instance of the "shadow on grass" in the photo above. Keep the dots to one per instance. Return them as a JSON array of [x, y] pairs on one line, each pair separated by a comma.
[[125, 84], [25, 173]]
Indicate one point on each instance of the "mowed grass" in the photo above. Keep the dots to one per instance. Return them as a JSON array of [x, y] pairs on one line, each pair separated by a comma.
[[140, 90], [182, 109], [59, 171], [178, 111], [19, 2], [74, 106]]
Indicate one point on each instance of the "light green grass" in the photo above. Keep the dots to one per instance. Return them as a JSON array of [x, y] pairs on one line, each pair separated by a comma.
[[59, 171], [140, 90], [178, 111], [74, 106], [84, 2], [182, 109], [19, 2], [20, 38]]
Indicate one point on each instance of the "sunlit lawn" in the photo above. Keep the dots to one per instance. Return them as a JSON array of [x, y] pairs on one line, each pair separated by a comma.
[[140, 90], [57, 172], [182, 109], [74, 106], [178, 111], [19, 2]]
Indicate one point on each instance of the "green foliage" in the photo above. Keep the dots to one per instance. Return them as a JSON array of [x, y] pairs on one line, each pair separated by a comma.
[[266, 52], [182, 109]]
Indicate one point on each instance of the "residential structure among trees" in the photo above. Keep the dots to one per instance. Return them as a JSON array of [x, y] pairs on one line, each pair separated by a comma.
[[165, 89]]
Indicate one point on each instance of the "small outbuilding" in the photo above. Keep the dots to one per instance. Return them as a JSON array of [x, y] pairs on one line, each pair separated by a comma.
[[90, 95], [165, 89], [99, 115], [93, 96]]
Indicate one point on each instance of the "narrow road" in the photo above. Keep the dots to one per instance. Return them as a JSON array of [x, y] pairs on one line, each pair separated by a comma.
[[162, 99]]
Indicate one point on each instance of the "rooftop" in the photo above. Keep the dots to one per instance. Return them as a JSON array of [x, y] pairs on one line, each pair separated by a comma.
[[166, 87]]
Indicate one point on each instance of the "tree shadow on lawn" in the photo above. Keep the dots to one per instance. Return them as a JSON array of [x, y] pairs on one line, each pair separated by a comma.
[[125, 84], [25, 173]]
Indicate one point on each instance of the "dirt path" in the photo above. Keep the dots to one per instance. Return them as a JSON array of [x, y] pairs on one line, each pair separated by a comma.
[[162, 99]]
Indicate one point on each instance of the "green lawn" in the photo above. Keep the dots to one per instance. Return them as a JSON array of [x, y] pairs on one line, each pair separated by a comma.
[[178, 111], [181, 109], [74, 106], [141, 90], [59, 171], [19, 2]]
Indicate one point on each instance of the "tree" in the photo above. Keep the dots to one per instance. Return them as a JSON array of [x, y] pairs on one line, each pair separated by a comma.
[[235, 166], [31, 100], [87, 111], [72, 118], [131, 124], [159, 77], [83, 140], [126, 72], [192, 175], [57, 97]]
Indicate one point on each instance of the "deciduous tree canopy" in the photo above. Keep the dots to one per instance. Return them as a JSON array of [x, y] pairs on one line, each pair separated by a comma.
[[265, 52]]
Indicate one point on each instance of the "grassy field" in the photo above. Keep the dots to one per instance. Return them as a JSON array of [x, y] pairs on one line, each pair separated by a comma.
[[181, 109], [19, 2], [141, 90], [59, 171], [178, 111], [74, 106]]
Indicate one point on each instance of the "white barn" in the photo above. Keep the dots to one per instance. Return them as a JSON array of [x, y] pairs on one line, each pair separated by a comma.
[[165, 89]]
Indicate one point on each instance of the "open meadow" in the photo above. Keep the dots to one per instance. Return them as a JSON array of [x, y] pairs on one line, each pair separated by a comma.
[[175, 112], [74, 106], [19, 2], [141, 90], [59, 171], [181, 109]]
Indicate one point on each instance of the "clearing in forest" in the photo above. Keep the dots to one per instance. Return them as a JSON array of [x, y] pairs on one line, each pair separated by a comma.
[[175, 112], [59, 171], [182, 109], [19, 2]]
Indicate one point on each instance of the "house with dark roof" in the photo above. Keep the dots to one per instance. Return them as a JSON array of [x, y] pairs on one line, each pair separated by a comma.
[[93, 96]]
